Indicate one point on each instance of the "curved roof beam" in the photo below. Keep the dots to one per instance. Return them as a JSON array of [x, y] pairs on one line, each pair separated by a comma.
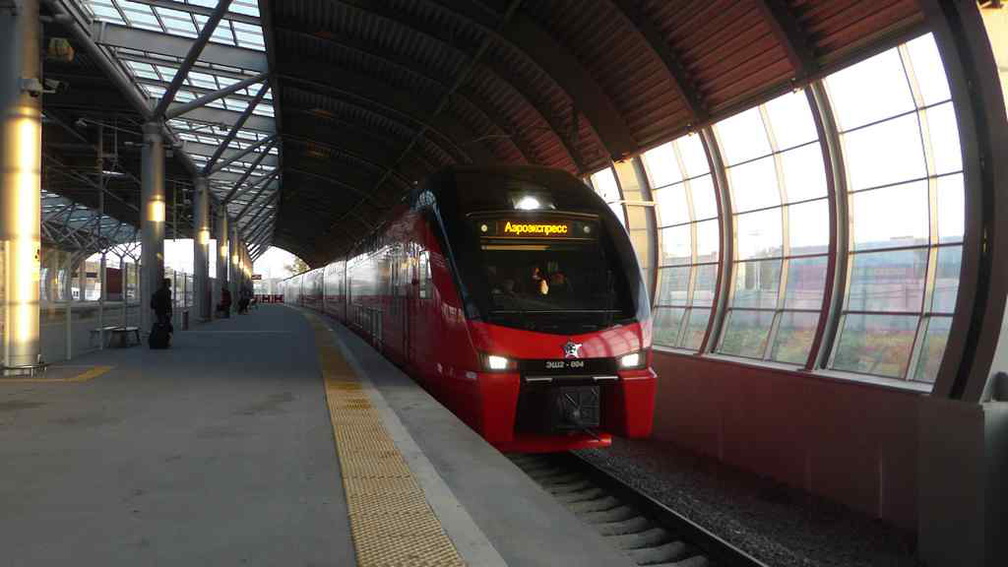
[[354, 87], [354, 162], [338, 146], [527, 36], [791, 36], [440, 35], [413, 67], [361, 140], [389, 132], [364, 194], [684, 86]]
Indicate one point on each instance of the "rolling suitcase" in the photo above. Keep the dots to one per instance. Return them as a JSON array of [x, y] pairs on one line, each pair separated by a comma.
[[160, 336]]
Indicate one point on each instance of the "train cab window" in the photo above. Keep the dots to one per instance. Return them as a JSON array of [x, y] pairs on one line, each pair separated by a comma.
[[533, 277]]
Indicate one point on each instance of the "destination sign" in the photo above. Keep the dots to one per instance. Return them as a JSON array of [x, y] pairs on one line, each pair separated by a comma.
[[552, 227], [535, 229]]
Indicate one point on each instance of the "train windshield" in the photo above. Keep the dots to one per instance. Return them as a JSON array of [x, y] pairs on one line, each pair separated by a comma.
[[548, 272]]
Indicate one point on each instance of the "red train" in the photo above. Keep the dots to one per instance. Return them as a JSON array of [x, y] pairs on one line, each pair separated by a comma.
[[513, 295]]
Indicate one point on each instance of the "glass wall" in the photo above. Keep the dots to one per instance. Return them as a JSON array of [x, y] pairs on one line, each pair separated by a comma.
[[604, 183], [780, 214], [899, 205], [906, 207], [689, 238]]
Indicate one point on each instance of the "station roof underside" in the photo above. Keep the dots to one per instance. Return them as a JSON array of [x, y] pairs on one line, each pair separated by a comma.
[[370, 96]]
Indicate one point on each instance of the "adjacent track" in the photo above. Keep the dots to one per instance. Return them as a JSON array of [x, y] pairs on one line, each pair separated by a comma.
[[649, 532]]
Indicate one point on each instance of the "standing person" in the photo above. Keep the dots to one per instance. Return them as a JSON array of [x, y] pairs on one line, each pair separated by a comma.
[[161, 304], [225, 302]]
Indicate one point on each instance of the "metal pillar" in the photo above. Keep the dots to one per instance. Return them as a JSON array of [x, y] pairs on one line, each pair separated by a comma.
[[125, 285], [152, 218], [68, 297], [82, 278], [201, 242], [222, 255], [20, 183], [100, 166], [233, 271]]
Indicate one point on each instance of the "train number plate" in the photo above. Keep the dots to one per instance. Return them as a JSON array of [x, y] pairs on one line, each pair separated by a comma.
[[569, 366], [566, 364]]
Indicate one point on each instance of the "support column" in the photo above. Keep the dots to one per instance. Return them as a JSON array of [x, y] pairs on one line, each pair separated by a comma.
[[962, 445], [234, 279], [201, 242], [152, 219], [100, 167], [68, 297], [222, 255], [82, 278], [20, 183], [247, 264]]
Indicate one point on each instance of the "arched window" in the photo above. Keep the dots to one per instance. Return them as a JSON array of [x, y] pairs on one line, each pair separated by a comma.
[[604, 183], [778, 192], [679, 175], [904, 178]]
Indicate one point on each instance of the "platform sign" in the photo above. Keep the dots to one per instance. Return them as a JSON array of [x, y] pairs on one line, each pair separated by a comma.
[[256, 277]]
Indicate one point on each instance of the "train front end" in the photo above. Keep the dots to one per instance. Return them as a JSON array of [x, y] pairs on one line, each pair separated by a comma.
[[558, 313]]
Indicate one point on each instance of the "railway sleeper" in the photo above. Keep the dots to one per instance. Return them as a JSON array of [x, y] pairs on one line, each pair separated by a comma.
[[560, 480], [648, 538], [550, 473], [695, 561], [589, 493], [628, 526], [597, 505], [533, 463], [579, 485], [616, 514], [665, 553]]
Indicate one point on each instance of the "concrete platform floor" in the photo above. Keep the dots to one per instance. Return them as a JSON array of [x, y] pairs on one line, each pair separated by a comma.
[[218, 451]]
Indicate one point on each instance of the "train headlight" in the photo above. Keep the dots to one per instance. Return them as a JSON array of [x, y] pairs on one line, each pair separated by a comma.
[[632, 360], [528, 203], [498, 363]]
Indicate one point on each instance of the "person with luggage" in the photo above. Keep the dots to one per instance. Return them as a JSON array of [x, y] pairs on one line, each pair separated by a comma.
[[161, 304], [224, 307]]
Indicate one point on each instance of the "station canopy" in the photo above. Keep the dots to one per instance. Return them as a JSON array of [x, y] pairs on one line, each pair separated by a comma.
[[367, 97]]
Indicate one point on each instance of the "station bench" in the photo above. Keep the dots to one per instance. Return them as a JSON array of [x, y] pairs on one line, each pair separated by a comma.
[[117, 336]]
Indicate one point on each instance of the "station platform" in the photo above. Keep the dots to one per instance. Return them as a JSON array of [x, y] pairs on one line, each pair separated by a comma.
[[273, 438]]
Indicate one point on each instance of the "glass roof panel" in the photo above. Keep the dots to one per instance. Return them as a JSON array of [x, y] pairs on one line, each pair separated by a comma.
[[177, 22], [152, 72]]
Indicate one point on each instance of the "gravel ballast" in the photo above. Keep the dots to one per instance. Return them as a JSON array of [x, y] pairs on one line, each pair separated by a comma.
[[777, 524]]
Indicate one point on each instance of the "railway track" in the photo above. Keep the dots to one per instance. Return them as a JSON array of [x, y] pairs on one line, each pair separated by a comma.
[[646, 530]]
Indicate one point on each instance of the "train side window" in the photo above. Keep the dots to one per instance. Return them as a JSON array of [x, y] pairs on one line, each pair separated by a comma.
[[425, 275]]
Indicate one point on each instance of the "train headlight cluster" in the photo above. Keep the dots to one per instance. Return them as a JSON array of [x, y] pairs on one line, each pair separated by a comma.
[[632, 360], [498, 363]]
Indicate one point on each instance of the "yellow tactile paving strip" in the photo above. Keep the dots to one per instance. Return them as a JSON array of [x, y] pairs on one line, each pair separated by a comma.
[[90, 374], [390, 519]]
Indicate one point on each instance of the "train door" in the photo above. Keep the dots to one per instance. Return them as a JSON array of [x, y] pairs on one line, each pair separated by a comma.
[[410, 303], [401, 297]]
